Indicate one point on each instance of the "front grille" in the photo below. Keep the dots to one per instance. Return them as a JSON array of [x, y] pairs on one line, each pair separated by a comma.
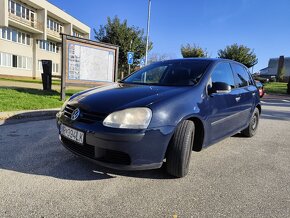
[[85, 150], [68, 110], [85, 116], [109, 156], [115, 157]]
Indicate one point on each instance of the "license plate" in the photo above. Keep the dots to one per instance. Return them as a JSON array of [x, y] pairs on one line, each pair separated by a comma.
[[72, 134]]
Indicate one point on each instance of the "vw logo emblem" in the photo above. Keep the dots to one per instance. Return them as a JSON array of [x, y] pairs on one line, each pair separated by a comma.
[[75, 114]]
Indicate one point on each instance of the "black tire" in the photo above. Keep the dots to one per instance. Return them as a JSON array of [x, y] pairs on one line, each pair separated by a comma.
[[179, 149], [251, 130]]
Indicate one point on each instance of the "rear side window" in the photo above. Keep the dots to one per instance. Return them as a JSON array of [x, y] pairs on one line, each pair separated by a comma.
[[223, 73], [242, 77]]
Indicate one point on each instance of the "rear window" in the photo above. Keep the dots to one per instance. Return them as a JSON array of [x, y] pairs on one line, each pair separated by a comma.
[[242, 77]]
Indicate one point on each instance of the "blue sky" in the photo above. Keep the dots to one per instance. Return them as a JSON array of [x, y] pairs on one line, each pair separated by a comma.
[[263, 25]]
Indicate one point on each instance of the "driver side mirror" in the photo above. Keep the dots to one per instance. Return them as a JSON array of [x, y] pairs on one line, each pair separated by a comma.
[[219, 87]]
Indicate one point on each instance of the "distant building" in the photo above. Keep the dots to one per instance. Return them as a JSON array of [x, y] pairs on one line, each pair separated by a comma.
[[272, 68], [29, 32]]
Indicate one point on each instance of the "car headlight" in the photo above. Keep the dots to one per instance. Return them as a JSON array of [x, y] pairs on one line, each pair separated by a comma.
[[132, 118]]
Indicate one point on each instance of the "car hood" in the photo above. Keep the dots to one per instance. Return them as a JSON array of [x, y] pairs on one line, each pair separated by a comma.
[[119, 96]]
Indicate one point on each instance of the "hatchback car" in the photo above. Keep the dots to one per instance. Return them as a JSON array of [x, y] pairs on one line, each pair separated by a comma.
[[161, 113]]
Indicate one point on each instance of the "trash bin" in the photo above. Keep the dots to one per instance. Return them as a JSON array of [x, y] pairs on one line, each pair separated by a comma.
[[46, 75]]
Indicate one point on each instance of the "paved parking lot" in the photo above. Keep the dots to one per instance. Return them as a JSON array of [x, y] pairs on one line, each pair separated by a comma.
[[238, 177]]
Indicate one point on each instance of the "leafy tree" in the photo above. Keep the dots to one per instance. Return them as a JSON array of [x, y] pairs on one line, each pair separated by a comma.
[[239, 53], [191, 51], [128, 38]]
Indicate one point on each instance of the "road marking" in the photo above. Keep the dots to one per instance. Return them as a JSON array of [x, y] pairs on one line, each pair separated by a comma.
[[285, 100]]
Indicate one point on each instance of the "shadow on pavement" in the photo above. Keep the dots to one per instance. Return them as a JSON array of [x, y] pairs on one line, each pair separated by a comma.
[[34, 148], [275, 115]]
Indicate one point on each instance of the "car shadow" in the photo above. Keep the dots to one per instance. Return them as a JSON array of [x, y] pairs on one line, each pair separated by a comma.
[[34, 148]]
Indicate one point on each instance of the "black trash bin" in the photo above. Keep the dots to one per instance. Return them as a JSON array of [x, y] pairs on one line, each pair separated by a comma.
[[46, 75]]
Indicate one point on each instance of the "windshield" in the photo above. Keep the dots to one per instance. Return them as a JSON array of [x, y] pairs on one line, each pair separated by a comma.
[[170, 73]]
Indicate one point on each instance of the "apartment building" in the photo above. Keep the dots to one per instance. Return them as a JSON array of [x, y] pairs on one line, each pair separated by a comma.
[[29, 32]]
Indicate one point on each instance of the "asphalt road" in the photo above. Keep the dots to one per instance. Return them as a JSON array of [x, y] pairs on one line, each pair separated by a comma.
[[238, 177]]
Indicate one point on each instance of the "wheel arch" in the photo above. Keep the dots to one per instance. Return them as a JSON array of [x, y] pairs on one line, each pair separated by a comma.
[[199, 131], [259, 108]]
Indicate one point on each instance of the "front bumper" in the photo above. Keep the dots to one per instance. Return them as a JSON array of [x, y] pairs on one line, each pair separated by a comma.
[[119, 148]]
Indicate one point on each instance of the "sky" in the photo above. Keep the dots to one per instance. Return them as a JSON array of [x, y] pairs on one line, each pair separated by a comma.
[[263, 25]]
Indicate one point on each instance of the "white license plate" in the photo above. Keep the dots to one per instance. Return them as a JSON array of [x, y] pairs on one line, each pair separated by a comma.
[[72, 134]]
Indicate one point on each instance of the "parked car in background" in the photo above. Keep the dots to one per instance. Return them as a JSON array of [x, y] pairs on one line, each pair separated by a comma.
[[261, 79], [160, 113], [260, 87]]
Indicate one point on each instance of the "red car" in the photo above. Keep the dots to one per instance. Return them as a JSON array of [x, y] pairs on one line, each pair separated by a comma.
[[260, 87]]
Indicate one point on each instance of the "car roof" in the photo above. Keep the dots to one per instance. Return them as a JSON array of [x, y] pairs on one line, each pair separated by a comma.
[[213, 60]]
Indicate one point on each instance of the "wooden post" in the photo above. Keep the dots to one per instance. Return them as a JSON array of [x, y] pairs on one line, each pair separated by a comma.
[[63, 68]]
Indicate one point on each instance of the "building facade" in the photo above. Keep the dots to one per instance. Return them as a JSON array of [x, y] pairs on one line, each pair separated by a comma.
[[272, 69], [30, 32]]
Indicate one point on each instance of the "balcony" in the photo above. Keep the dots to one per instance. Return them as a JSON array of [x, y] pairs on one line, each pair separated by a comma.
[[28, 25], [53, 35]]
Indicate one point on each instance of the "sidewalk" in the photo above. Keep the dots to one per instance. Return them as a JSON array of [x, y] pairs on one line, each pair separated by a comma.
[[276, 96], [35, 85]]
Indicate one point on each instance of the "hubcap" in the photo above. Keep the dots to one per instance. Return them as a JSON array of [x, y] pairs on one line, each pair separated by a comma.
[[254, 122]]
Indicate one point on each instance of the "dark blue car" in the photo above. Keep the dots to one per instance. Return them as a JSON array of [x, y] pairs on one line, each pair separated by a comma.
[[161, 113]]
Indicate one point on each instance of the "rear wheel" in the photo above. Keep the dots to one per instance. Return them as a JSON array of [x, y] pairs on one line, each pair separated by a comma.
[[179, 150], [251, 130]]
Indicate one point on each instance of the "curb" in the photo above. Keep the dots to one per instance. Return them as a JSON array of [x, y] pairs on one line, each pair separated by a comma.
[[18, 115], [276, 96]]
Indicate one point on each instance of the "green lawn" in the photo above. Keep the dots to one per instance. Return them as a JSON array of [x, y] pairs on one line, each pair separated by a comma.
[[27, 80], [276, 87], [13, 99]]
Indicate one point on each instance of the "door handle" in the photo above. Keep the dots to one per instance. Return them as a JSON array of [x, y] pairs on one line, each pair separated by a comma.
[[254, 93], [238, 99]]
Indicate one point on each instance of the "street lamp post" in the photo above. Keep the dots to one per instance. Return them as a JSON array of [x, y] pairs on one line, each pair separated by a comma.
[[148, 29], [129, 65]]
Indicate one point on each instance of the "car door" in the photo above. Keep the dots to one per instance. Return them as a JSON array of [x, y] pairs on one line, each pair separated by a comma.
[[247, 93], [222, 107]]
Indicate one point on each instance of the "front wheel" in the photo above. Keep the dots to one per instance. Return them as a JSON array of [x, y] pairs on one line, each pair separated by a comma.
[[179, 150], [251, 130]]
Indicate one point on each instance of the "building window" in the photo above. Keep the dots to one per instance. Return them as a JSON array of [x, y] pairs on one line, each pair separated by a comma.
[[23, 38], [5, 59], [78, 34], [14, 35], [8, 33], [12, 7], [48, 46], [20, 10], [3, 32], [15, 61], [54, 25], [28, 39]]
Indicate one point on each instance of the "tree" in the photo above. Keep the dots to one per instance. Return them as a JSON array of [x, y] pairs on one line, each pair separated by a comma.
[[128, 38], [239, 53], [191, 51]]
